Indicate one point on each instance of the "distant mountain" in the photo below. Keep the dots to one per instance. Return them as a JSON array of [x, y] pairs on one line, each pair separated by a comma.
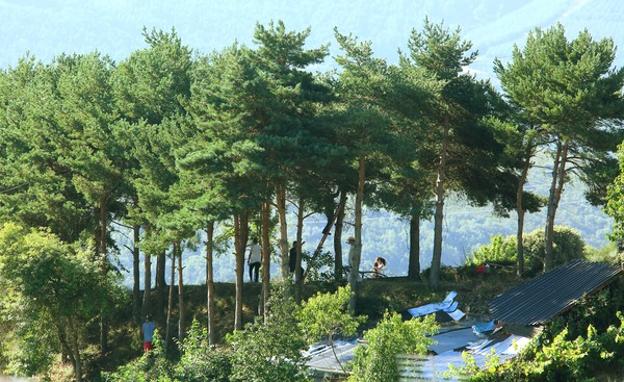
[[113, 27]]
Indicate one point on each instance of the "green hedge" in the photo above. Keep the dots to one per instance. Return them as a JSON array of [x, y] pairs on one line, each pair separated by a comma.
[[567, 245]]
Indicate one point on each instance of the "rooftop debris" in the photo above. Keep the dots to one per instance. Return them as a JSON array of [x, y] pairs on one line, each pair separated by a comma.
[[531, 303], [436, 368], [445, 311], [322, 357]]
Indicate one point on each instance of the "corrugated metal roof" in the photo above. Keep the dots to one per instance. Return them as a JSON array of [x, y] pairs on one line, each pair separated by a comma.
[[540, 299]]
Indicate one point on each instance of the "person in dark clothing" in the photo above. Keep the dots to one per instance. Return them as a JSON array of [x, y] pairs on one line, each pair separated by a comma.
[[254, 259], [292, 258]]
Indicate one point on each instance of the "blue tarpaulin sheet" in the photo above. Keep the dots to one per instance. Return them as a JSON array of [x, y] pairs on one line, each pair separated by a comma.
[[448, 305], [482, 328]]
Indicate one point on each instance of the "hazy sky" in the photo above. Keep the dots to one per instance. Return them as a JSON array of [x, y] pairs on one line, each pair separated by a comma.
[[47, 28]]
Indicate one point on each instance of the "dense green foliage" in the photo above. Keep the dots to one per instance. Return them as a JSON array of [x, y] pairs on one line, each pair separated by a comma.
[[201, 362], [50, 287], [325, 316], [376, 361], [270, 351], [150, 367], [568, 245], [169, 142]]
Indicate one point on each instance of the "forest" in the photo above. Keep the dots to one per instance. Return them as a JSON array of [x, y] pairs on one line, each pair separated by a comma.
[[232, 150]]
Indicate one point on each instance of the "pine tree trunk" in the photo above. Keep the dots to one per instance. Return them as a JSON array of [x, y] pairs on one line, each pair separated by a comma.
[[103, 250], [354, 260], [170, 301], [210, 288], [161, 286], [299, 250], [266, 257], [556, 188], [521, 212], [76, 355], [338, 237], [181, 313], [331, 219], [66, 349], [414, 252], [281, 212], [78, 368], [240, 241], [520, 242], [147, 283], [440, 192], [136, 273]]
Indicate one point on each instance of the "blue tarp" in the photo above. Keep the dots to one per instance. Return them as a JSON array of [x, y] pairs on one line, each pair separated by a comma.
[[448, 305], [482, 328]]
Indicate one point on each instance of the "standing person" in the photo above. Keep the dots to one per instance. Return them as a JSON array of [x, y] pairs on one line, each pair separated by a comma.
[[148, 333], [292, 258], [254, 260]]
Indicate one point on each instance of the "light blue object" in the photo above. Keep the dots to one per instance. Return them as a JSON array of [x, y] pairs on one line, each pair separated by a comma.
[[451, 308], [482, 328], [148, 331], [447, 305]]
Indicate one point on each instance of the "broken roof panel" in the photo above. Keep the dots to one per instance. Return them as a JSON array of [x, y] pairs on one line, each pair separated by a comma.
[[452, 339], [538, 300], [438, 367]]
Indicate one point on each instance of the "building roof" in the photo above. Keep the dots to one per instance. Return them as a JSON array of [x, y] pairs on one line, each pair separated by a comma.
[[538, 300]]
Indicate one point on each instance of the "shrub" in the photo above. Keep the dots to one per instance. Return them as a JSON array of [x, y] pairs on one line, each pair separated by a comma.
[[270, 351], [376, 361], [567, 245], [607, 254], [500, 249], [201, 362], [558, 357], [326, 316], [319, 267], [152, 366], [59, 286]]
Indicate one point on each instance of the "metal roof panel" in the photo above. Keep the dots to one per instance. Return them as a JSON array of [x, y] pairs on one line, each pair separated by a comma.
[[538, 300]]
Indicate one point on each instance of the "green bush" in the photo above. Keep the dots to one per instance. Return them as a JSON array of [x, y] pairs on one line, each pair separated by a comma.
[[376, 361], [201, 362], [270, 351], [607, 254], [500, 250], [319, 267], [567, 245], [152, 366], [326, 316]]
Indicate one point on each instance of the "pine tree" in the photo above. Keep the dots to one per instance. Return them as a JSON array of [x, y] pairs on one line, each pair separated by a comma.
[[226, 106], [569, 90], [149, 86], [365, 124]]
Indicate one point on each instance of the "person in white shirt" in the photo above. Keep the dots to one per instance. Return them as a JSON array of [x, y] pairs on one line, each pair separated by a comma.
[[254, 260]]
